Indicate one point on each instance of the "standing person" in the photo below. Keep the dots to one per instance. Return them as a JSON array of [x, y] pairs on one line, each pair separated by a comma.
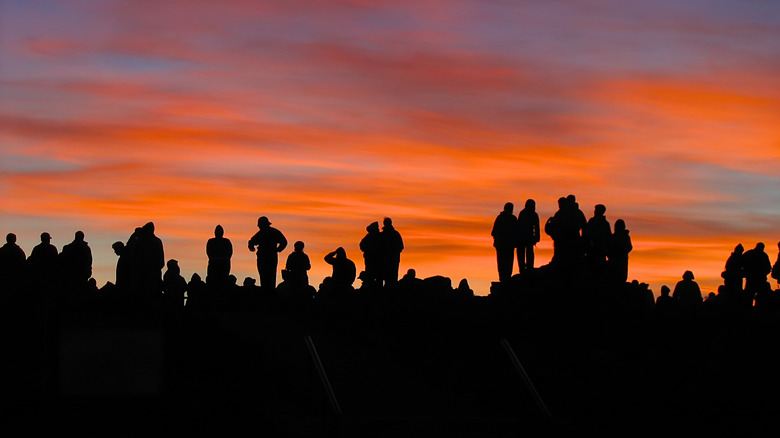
[[687, 293], [269, 242], [298, 265], [76, 261], [123, 268], [371, 245], [12, 261], [597, 236], [148, 260], [756, 266], [174, 286], [619, 247], [734, 275], [43, 259], [528, 235], [776, 266], [219, 251], [392, 244], [504, 240]]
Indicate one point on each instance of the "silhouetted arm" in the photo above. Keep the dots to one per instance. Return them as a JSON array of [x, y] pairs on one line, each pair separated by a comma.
[[536, 232], [254, 241]]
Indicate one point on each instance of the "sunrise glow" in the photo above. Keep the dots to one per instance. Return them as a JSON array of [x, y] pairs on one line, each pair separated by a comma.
[[326, 116]]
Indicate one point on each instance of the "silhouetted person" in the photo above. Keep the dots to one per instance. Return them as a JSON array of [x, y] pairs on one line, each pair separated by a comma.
[[344, 270], [597, 235], [504, 234], [664, 304], [12, 261], [197, 292], [43, 260], [219, 251], [733, 275], [392, 245], [617, 255], [174, 286], [463, 289], [298, 265], [756, 266], [371, 245], [76, 261], [687, 293], [528, 235], [269, 242], [148, 260], [124, 270], [776, 266], [565, 228], [410, 283], [579, 221]]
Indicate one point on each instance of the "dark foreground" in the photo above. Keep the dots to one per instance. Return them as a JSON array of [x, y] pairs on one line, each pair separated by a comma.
[[427, 362]]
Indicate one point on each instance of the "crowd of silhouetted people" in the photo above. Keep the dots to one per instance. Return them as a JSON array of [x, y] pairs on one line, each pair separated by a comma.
[[589, 246]]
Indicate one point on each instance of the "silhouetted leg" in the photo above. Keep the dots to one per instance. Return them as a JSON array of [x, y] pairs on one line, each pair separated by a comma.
[[392, 272], [268, 273], [505, 259], [521, 259]]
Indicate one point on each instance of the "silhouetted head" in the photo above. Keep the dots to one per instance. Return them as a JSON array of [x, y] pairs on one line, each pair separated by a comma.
[[10, 238], [599, 210], [149, 227], [79, 236], [373, 227], [509, 207], [195, 278], [46, 238], [620, 225], [219, 231], [118, 247], [530, 205], [665, 290], [298, 246], [387, 222], [263, 222], [760, 246], [688, 275], [739, 249], [232, 279], [464, 284], [571, 199], [173, 265], [249, 281], [411, 273], [562, 202], [341, 253], [778, 245]]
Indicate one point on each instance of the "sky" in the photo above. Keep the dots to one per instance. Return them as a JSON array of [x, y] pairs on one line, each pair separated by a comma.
[[327, 116]]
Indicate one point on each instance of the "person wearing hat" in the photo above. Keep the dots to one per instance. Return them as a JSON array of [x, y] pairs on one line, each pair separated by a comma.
[[269, 242], [43, 259]]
